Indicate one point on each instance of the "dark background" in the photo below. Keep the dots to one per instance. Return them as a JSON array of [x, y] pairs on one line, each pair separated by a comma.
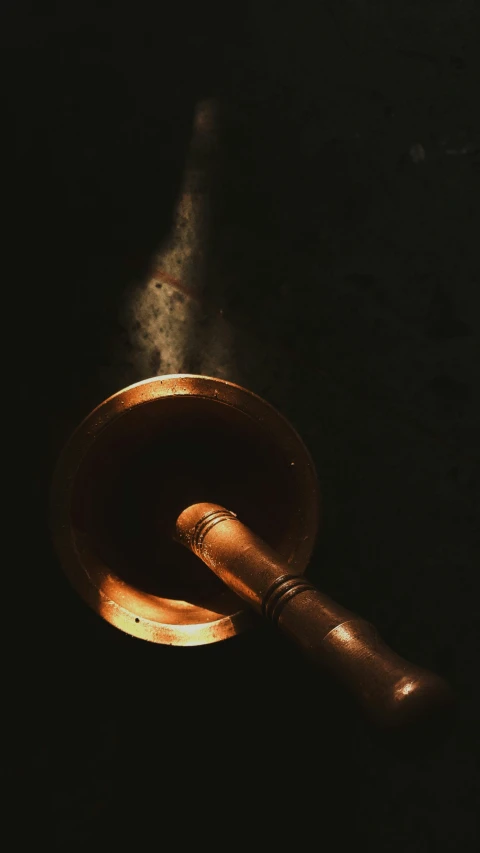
[[345, 235]]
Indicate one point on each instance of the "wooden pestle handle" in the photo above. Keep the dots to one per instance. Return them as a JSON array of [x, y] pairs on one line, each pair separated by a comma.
[[392, 691]]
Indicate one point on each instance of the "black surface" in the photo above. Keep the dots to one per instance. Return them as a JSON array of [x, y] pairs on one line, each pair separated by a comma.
[[376, 256]]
